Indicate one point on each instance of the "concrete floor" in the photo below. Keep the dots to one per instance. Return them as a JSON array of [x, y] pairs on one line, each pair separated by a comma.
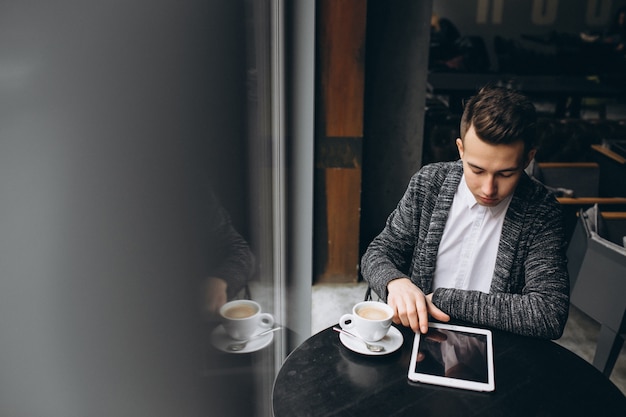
[[330, 301]]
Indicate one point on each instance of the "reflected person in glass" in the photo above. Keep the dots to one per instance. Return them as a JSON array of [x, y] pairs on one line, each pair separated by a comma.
[[231, 263]]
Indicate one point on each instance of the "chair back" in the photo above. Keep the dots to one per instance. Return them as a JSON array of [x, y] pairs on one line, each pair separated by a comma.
[[597, 269], [582, 178]]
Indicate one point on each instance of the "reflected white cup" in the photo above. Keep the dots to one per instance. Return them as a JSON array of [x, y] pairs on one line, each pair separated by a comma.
[[370, 319], [242, 318]]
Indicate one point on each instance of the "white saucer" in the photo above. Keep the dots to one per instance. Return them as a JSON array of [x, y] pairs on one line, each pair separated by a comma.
[[392, 342], [221, 340]]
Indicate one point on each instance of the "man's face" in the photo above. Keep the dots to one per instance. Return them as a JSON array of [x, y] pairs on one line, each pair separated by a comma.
[[491, 171]]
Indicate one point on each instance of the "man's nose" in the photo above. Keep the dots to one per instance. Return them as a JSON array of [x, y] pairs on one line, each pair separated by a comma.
[[489, 186]]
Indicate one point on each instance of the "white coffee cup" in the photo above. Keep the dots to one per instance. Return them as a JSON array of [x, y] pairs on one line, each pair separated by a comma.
[[370, 319], [242, 318]]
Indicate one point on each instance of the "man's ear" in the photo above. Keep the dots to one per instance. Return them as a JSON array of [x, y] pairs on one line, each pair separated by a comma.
[[459, 146], [529, 157]]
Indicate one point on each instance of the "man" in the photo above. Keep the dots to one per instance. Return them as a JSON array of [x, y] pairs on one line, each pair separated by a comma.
[[477, 240], [231, 263]]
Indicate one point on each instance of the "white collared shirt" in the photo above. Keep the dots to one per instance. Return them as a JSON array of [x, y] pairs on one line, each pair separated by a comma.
[[469, 245]]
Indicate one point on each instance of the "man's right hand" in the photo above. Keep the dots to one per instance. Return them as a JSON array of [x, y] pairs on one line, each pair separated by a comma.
[[411, 307], [214, 295]]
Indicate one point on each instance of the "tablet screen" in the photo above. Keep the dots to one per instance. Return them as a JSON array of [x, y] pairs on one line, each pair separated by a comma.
[[455, 356]]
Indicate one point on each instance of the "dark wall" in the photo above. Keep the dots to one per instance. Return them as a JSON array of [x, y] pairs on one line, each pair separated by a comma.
[[395, 89], [512, 19]]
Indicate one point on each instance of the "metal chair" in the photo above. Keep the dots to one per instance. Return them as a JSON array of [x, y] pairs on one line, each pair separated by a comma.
[[597, 268]]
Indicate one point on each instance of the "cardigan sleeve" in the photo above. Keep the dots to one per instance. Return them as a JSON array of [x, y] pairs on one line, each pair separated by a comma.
[[229, 255], [389, 254], [541, 308], [406, 244]]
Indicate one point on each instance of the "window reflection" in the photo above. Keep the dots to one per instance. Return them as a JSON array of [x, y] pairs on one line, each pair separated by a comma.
[[241, 383]]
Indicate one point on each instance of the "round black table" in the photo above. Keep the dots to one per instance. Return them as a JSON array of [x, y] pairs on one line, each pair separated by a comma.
[[533, 377]]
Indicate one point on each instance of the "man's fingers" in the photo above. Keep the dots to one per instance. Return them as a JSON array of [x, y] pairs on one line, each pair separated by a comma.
[[404, 312], [440, 315], [422, 314], [414, 311], [414, 314], [436, 313], [410, 306]]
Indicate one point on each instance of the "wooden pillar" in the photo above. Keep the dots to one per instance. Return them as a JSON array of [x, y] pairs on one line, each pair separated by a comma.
[[339, 134]]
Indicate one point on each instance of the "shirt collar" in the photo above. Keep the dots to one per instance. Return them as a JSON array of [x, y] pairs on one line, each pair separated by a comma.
[[469, 200]]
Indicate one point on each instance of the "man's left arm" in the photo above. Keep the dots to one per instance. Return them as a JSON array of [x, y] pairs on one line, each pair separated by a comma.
[[541, 308]]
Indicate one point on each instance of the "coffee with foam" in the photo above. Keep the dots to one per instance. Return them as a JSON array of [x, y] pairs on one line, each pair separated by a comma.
[[372, 313], [239, 312], [370, 319]]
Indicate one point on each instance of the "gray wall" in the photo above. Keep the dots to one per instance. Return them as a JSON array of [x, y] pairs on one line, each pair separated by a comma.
[[106, 108]]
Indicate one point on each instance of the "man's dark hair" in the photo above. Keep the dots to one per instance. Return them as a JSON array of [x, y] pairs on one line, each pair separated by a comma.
[[500, 116]]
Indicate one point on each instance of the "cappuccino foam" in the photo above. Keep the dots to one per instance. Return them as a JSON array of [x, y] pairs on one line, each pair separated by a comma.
[[372, 313], [240, 312]]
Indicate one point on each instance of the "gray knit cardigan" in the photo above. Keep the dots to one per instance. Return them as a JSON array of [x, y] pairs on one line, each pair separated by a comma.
[[529, 292]]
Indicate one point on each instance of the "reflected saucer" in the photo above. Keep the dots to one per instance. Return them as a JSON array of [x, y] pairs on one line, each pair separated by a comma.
[[221, 340], [392, 342]]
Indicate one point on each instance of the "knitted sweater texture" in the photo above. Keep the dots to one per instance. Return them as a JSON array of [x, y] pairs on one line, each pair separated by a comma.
[[529, 292]]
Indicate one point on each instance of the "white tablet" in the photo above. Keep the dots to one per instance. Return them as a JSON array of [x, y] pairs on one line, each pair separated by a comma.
[[454, 356]]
